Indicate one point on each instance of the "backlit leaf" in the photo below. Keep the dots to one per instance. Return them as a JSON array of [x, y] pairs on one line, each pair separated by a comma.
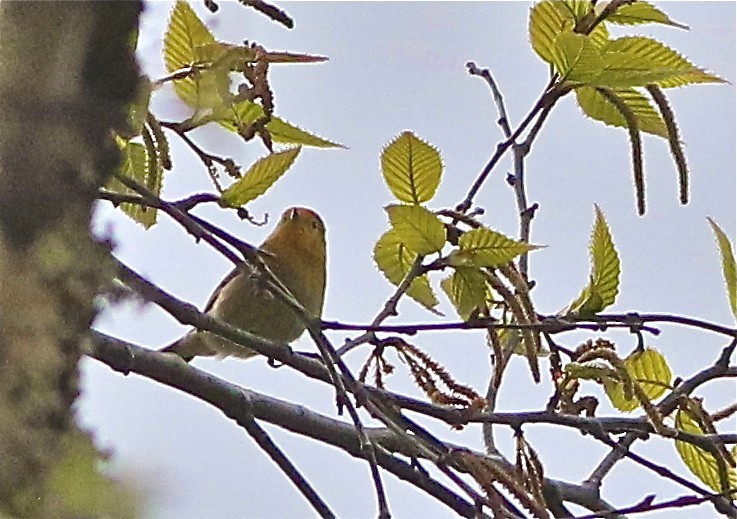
[[247, 112], [597, 106], [467, 290], [411, 168], [395, 261], [548, 19], [419, 229], [728, 265], [576, 58], [486, 248], [136, 165], [188, 42], [603, 286], [642, 12], [650, 370], [639, 61], [702, 463], [259, 177]]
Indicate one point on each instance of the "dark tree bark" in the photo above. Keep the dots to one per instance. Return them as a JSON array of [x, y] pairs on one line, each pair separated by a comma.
[[68, 75]]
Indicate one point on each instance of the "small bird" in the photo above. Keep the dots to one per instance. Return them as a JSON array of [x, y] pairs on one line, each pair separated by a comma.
[[296, 253]]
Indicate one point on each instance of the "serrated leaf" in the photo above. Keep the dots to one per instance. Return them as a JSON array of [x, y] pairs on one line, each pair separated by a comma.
[[548, 19], [641, 12], [136, 165], [638, 61], [576, 58], [395, 261], [700, 462], [729, 270], [420, 230], [411, 168], [467, 290], [603, 286], [259, 177], [547, 22], [650, 370], [486, 248], [246, 112], [188, 42], [597, 106]]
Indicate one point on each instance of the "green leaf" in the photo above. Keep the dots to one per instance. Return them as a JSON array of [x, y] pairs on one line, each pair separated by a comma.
[[395, 261], [700, 462], [259, 177], [603, 286], [188, 42], [582, 12], [411, 168], [597, 106], [486, 248], [547, 22], [136, 164], [641, 12], [728, 265], [246, 112], [576, 58], [650, 370], [638, 61], [420, 230], [467, 290]]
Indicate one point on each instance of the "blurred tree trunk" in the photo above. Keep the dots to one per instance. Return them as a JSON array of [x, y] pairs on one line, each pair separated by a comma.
[[68, 72]]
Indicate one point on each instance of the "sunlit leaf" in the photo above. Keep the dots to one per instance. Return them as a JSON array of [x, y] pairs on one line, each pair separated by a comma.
[[596, 106], [467, 290], [259, 177], [728, 265], [650, 370], [395, 261], [188, 42], [700, 462], [419, 229], [576, 58], [486, 248], [638, 61], [246, 112], [411, 168], [547, 22], [603, 286], [136, 165], [642, 12]]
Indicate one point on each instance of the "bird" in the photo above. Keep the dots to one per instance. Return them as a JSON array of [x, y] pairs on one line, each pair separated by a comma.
[[295, 252]]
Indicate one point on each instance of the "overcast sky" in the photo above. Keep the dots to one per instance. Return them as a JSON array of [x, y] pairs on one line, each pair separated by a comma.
[[396, 66]]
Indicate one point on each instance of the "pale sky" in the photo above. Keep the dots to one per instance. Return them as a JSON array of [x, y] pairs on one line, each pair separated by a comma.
[[396, 66]]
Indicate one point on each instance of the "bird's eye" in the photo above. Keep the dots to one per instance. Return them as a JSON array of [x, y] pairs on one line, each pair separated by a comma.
[[293, 213]]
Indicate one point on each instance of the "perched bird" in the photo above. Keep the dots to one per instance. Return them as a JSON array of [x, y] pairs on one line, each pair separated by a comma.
[[295, 252]]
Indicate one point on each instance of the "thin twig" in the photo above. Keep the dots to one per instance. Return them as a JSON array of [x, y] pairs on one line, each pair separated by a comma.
[[496, 94], [549, 96], [267, 445]]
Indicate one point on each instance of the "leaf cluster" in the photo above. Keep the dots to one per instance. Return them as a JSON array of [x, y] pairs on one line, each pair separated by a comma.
[[618, 81], [202, 71]]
